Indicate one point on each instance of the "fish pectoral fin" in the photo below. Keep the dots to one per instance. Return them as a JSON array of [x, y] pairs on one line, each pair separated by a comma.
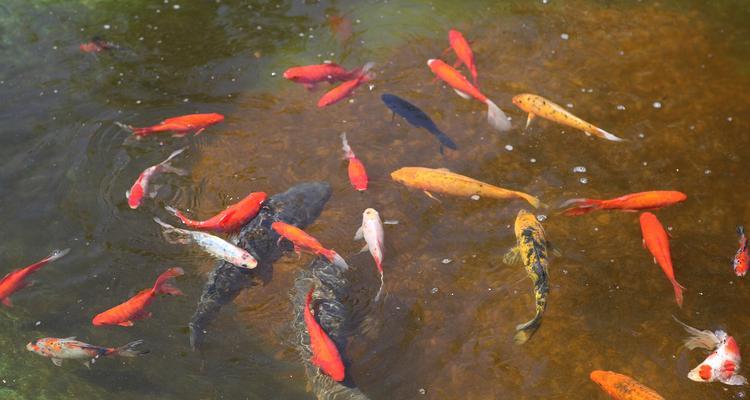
[[87, 364], [529, 119], [225, 217], [126, 323], [364, 249], [7, 303], [431, 196], [553, 249], [462, 94], [655, 262], [735, 380], [57, 361], [199, 131], [513, 256], [360, 234], [643, 242], [154, 191]]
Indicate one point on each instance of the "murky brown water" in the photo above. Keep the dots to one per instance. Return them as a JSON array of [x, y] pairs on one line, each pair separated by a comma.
[[444, 330]]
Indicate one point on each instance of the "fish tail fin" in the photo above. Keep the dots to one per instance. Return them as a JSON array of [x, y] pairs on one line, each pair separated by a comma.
[[606, 135], [337, 260], [128, 128], [348, 153], [678, 292], [534, 201], [474, 75], [56, 255], [580, 206], [129, 350], [526, 330], [163, 287], [166, 166], [308, 298], [380, 290], [699, 339], [443, 138], [496, 117], [185, 220]]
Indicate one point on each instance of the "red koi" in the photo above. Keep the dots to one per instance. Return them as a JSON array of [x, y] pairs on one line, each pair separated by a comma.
[[135, 308], [495, 116], [357, 172], [140, 187], [16, 279], [302, 241], [229, 220], [310, 75], [656, 241], [181, 125], [465, 56], [630, 202], [742, 258], [325, 355], [345, 89]]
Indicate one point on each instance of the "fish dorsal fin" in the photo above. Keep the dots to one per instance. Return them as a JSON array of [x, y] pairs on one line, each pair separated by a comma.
[[70, 338], [443, 169]]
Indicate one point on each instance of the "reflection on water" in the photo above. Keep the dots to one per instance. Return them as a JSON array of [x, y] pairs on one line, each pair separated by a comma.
[[672, 78]]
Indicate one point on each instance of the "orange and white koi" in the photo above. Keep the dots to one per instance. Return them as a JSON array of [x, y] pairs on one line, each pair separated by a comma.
[[71, 349], [495, 116], [345, 89], [656, 241], [630, 202], [371, 231], [303, 241], [310, 75], [465, 56], [229, 220], [140, 188], [181, 125], [723, 364], [357, 172], [623, 387], [539, 106], [742, 258], [135, 308], [325, 355], [16, 279], [211, 244]]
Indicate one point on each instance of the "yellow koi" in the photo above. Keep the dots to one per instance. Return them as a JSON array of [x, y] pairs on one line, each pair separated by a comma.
[[446, 182], [532, 249], [539, 106]]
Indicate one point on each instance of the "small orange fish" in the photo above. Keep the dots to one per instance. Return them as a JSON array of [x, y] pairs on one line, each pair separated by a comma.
[[345, 89], [495, 116], [16, 280], [324, 352], [742, 258], [311, 75], [623, 387], [229, 220], [357, 172], [302, 241], [96, 45], [630, 202], [135, 308], [181, 125], [656, 241], [465, 56]]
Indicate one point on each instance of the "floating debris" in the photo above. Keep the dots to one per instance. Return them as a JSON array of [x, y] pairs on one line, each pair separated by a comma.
[[475, 197], [657, 104], [447, 261], [391, 222], [579, 169], [583, 180], [564, 36]]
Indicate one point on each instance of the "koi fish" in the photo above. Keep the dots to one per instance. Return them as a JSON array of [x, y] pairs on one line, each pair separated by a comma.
[[16, 279], [325, 355], [229, 220], [302, 241], [656, 241], [71, 349], [96, 45], [723, 364], [341, 27], [357, 173], [539, 106], [135, 308], [310, 75], [417, 118], [211, 244], [742, 257], [495, 116], [623, 387], [465, 56], [181, 125], [532, 250], [442, 180], [139, 190], [630, 202], [345, 89], [371, 231]]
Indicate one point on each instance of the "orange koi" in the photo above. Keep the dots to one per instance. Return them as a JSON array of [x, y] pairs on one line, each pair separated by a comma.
[[16, 279], [631, 202], [465, 56], [302, 241], [229, 220], [495, 116], [345, 89], [311, 75], [656, 241], [325, 355], [135, 308], [357, 172], [181, 125], [742, 258], [623, 387]]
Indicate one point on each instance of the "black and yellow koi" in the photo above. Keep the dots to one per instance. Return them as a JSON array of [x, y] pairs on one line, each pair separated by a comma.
[[532, 249]]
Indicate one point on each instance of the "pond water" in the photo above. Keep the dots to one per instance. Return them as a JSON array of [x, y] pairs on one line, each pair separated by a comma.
[[672, 77]]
